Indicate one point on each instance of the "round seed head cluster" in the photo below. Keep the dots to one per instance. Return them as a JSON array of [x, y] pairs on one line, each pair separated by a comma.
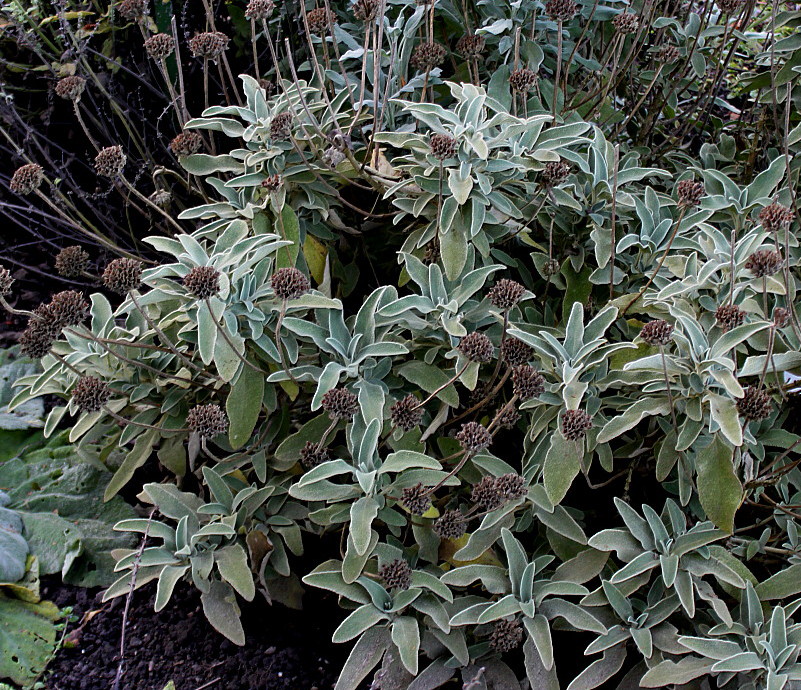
[[365, 10], [161, 198], [186, 143], [729, 316], [407, 413], [340, 403], [90, 394], [527, 382], [626, 23], [506, 636], [764, 262], [396, 574], [272, 183], [730, 6], [506, 418], [313, 454], [450, 525], [515, 352], [289, 283], [320, 20], [555, 173], [6, 281], [160, 46], [203, 281], [207, 420], [511, 486], [667, 54], [71, 262], [775, 216], [426, 56], [26, 179], [110, 161], [132, 9], [259, 9], [476, 347], [575, 424], [123, 275], [755, 404], [415, 499], [70, 88], [523, 80], [471, 45], [506, 293], [281, 127], [38, 337], [561, 10], [68, 308], [443, 146], [485, 494], [690, 193], [658, 332], [474, 437], [208, 45], [781, 317]]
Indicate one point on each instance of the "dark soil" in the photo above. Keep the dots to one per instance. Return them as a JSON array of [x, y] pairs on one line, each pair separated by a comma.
[[285, 650]]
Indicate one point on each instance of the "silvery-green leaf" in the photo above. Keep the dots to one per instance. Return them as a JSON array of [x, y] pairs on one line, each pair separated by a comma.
[[363, 618], [406, 636]]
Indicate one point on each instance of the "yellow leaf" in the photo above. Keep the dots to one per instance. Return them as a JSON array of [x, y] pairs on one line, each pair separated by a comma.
[[315, 253]]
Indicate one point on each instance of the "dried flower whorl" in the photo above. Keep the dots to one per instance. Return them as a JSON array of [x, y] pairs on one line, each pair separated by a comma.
[[690, 193], [485, 494], [110, 161], [575, 424], [471, 45], [443, 146], [730, 6], [26, 179], [511, 486], [208, 45], [775, 216], [407, 413], [506, 418], [365, 10], [281, 127], [729, 316], [259, 9], [523, 80], [626, 23], [40, 333], [186, 143], [132, 9], [123, 275], [755, 404], [450, 525], [207, 421], [396, 574], [313, 454], [561, 10], [658, 332], [781, 317], [515, 352], [272, 183], [90, 394], [70, 88], [320, 20], [474, 437], [160, 46], [426, 56], [506, 636], [476, 347], [203, 281], [71, 262], [415, 499], [340, 403], [764, 262], [68, 308], [161, 198], [555, 173], [667, 54], [289, 283], [506, 293], [527, 382]]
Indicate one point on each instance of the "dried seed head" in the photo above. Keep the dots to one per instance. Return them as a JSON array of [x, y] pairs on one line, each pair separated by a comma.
[[132, 9], [730, 6], [474, 437], [203, 281], [657, 332], [426, 56], [272, 183], [415, 499], [281, 127], [729, 316], [160, 46], [775, 216], [123, 275], [259, 9], [476, 347], [506, 636], [110, 161], [68, 308], [511, 486], [289, 283], [450, 525], [332, 157], [575, 424], [340, 403], [71, 262], [506, 293], [506, 418], [208, 45], [38, 337], [365, 10], [443, 146], [781, 317], [485, 494], [626, 23], [207, 421], [471, 45], [6, 281], [755, 404], [667, 54], [320, 20], [26, 179], [523, 80], [186, 143], [561, 10], [70, 88], [407, 413], [396, 574], [161, 198], [90, 394], [313, 454], [515, 352], [764, 262], [555, 173], [527, 382], [690, 193]]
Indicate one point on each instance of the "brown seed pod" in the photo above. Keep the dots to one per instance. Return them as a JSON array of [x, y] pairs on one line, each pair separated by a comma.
[[272, 183], [690, 193], [764, 262], [575, 424], [775, 216], [555, 173], [396, 574], [208, 45], [407, 413], [416, 499], [203, 281], [26, 179], [515, 352], [281, 127], [110, 161], [186, 143], [207, 421], [450, 525], [523, 80], [365, 10], [506, 418], [90, 394], [70, 88], [474, 437], [340, 403], [68, 308], [476, 347], [729, 316], [123, 275], [71, 262], [506, 293], [527, 382], [561, 10], [658, 332], [471, 46], [320, 21], [132, 9], [312, 454], [160, 46], [626, 23], [40, 333], [506, 636], [259, 10], [443, 146], [289, 283], [755, 405], [426, 56]]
